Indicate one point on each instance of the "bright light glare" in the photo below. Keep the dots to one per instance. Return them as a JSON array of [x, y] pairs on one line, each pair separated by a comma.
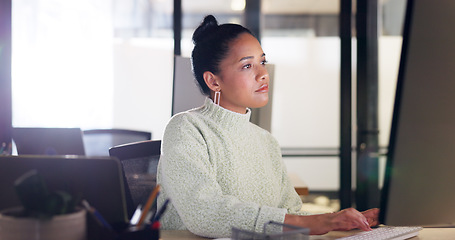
[[238, 5], [62, 63]]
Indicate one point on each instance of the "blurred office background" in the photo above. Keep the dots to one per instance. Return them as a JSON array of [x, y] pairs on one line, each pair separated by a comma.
[[110, 63]]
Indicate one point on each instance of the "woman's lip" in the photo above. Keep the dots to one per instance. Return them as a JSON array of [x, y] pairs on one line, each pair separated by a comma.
[[263, 88]]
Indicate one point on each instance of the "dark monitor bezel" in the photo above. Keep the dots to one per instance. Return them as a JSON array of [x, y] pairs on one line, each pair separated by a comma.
[[433, 90]]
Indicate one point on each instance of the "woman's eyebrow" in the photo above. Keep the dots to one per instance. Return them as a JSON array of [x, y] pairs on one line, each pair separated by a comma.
[[249, 57]]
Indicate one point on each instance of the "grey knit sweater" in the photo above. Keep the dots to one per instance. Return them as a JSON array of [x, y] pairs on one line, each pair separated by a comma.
[[221, 171]]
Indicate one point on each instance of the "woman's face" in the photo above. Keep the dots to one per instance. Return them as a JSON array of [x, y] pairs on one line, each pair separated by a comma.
[[243, 77]]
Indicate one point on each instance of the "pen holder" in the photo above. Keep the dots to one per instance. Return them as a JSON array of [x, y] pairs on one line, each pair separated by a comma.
[[272, 231], [120, 231], [144, 233]]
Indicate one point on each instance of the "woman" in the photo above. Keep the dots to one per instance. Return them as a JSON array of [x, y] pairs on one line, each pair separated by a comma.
[[221, 171]]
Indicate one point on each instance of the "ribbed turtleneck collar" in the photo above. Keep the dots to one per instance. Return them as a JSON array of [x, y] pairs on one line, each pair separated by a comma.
[[224, 116]]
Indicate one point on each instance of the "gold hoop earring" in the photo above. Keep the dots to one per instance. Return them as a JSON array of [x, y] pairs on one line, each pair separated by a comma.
[[216, 98]]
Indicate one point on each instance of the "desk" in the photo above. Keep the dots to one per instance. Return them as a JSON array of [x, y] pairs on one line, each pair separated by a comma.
[[425, 234], [302, 190]]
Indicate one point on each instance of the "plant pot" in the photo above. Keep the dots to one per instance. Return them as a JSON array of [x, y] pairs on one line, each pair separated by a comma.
[[70, 226]]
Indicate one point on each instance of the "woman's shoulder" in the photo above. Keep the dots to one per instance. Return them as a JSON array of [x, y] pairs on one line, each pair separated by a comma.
[[185, 122], [186, 116], [266, 135], [183, 127], [260, 130]]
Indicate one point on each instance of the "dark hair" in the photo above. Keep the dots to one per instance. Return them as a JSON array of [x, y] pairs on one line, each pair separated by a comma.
[[211, 44]]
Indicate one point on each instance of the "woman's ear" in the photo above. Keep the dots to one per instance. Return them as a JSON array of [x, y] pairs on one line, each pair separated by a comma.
[[212, 81]]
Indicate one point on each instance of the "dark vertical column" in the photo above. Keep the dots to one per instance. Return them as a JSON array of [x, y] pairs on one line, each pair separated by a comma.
[[253, 17], [367, 193], [177, 28], [345, 104], [177, 25], [5, 73]]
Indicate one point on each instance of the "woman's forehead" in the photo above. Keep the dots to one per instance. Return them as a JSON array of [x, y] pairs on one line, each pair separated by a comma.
[[245, 46]]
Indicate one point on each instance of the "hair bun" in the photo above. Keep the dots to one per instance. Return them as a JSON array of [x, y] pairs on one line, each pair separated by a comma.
[[208, 26]]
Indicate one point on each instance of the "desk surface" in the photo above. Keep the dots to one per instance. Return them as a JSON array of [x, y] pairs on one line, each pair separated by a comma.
[[425, 234]]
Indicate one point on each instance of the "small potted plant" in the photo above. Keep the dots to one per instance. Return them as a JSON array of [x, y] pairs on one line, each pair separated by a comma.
[[44, 214]]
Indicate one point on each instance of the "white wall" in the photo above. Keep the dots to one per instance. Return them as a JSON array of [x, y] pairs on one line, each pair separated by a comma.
[[143, 75], [306, 95], [314, 81]]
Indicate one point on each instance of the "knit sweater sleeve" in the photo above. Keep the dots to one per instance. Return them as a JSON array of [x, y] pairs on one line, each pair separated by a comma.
[[189, 179]]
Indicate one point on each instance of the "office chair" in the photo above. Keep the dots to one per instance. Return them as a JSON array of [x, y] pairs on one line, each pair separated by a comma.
[[139, 164], [98, 141]]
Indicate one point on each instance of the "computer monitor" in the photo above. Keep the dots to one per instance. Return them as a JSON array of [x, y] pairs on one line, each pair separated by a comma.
[[419, 185], [48, 141]]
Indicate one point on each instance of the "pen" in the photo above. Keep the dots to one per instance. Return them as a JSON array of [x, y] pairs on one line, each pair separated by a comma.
[[148, 204], [96, 214], [161, 211], [137, 213]]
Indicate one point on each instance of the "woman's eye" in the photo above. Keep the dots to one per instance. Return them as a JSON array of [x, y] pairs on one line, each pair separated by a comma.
[[264, 62], [247, 66]]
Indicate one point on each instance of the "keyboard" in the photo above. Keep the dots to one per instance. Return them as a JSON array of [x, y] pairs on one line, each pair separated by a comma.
[[386, 233]]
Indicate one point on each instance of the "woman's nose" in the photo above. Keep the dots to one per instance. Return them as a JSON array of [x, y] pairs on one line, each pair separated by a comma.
[[263, 75]]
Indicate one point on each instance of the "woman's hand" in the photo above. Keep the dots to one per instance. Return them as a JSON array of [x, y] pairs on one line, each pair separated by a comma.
[[346, 219], [372, 216]]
